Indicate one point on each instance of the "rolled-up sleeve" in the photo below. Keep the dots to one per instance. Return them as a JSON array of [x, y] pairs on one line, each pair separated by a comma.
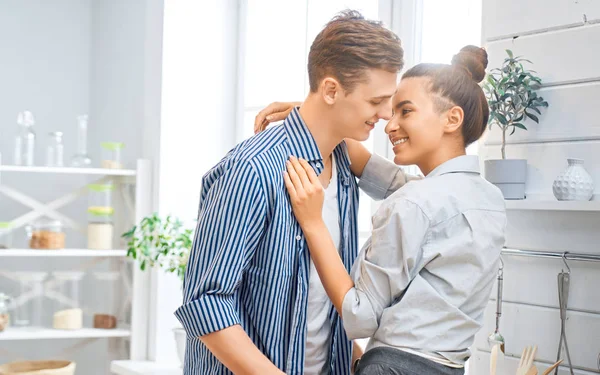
[[381, 178], [386, 266], [230, 224]]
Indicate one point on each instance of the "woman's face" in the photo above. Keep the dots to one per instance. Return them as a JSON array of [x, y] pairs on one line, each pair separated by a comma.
[[416, 128]]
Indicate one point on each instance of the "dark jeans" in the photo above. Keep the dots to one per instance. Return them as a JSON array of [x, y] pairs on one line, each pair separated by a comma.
[[390, 361]]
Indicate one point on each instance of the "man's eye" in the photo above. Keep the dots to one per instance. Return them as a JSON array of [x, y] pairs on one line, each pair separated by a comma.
[[376, 102]]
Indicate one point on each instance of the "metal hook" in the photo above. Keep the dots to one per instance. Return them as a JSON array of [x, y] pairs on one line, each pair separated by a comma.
[[564, 259]]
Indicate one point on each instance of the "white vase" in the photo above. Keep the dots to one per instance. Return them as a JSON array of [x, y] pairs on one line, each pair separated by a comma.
[[574, 183], [180, 340]]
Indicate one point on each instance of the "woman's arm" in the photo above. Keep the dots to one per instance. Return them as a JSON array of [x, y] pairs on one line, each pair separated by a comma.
[[388, 264], [359, 156]]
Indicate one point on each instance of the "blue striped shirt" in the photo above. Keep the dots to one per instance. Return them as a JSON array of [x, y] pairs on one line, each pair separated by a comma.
[[249, 263]]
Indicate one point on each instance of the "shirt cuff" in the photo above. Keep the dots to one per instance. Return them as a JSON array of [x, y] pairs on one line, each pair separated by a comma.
[[378, 176], [208, 314], [358, 315]]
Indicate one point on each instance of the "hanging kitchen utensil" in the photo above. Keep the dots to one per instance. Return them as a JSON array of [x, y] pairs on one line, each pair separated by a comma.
[[496, 338], [564, 281]]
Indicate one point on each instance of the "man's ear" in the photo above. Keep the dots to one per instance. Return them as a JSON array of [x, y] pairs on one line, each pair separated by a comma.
[[330, 90], [454, 117]]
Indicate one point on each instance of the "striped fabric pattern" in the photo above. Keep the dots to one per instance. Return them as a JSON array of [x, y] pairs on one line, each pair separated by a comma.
[[249, 263]]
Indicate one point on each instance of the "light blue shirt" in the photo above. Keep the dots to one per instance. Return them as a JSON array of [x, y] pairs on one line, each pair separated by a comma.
[[424, 278]]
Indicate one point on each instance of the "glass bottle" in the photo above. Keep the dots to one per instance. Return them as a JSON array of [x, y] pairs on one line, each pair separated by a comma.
[[25, 140], [56, 150], [81, 158]]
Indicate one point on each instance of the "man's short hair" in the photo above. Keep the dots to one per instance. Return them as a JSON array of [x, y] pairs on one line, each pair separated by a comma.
[[348, 46]]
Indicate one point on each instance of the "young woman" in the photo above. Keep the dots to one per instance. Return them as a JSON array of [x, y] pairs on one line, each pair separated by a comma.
[[421, 283]]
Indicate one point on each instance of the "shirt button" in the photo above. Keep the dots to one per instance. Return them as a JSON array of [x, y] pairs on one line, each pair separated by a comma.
[[319, 165], [298, 237]]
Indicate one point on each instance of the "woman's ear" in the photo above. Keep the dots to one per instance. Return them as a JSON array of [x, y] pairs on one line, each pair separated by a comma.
[[454, 117]]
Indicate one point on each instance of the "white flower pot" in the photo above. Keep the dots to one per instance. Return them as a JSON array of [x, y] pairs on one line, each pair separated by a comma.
[[180, 340], [509, 175], [574, 183]]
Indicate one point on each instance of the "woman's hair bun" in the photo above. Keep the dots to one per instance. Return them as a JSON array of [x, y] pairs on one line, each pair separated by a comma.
[[474, 60]]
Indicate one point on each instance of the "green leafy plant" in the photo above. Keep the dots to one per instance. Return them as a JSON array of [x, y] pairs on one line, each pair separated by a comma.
[[512, 97], [158, 242]]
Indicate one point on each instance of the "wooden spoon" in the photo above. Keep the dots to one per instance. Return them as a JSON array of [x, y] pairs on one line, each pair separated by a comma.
[[494, 359], [549, 369]]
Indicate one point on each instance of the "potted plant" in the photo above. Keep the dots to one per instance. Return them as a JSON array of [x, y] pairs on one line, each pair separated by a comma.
[[162, 243], [511, 93]]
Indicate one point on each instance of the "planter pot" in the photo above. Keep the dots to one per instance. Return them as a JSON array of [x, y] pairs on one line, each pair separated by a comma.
[[574, 183], [180, 340], [509, 175]]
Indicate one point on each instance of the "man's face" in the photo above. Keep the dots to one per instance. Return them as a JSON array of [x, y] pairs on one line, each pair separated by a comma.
[[357, 113]]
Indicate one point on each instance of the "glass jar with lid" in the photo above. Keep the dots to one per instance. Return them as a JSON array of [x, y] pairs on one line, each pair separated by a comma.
[[6, 228], [106, 315], [100, 195], [111, 155], [68, 313], [100, 228], [46, 234], [28, 308], [4, 316]]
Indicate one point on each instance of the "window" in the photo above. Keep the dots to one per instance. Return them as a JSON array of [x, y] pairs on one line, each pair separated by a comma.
[[446, 27], [275, 50]]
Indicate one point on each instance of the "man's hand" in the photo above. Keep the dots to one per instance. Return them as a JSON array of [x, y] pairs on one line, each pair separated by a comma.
[[275, 111]]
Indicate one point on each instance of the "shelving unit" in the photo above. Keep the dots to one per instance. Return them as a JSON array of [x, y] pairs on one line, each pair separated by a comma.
[[553, 205], [68, 170], [12, 334], [135, 285], [62, 253]]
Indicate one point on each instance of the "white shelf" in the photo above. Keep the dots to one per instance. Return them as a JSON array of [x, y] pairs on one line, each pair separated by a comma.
[[62, 253], [68, 170], [11, 334], [144, 368], [550, 205]]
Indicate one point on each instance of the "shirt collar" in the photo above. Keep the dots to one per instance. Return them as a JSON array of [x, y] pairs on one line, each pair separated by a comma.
[[464, 164], [303, 146], [302, 143]]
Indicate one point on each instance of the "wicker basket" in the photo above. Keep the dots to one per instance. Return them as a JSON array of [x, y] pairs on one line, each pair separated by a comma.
[[38, 368]]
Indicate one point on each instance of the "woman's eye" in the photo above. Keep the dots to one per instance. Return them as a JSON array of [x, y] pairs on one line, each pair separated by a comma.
[[406, 111]]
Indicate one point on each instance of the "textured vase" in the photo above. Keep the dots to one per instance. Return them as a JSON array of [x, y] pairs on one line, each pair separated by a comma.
[[574, 183]]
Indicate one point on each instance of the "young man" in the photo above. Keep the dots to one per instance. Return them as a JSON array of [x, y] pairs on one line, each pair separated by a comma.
[[253, 303]]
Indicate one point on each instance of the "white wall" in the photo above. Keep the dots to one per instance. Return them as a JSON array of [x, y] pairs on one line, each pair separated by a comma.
[[59, 59], [561, 38]]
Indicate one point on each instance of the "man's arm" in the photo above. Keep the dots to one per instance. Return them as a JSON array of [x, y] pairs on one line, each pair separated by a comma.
[[230, 225], [237, 352]]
